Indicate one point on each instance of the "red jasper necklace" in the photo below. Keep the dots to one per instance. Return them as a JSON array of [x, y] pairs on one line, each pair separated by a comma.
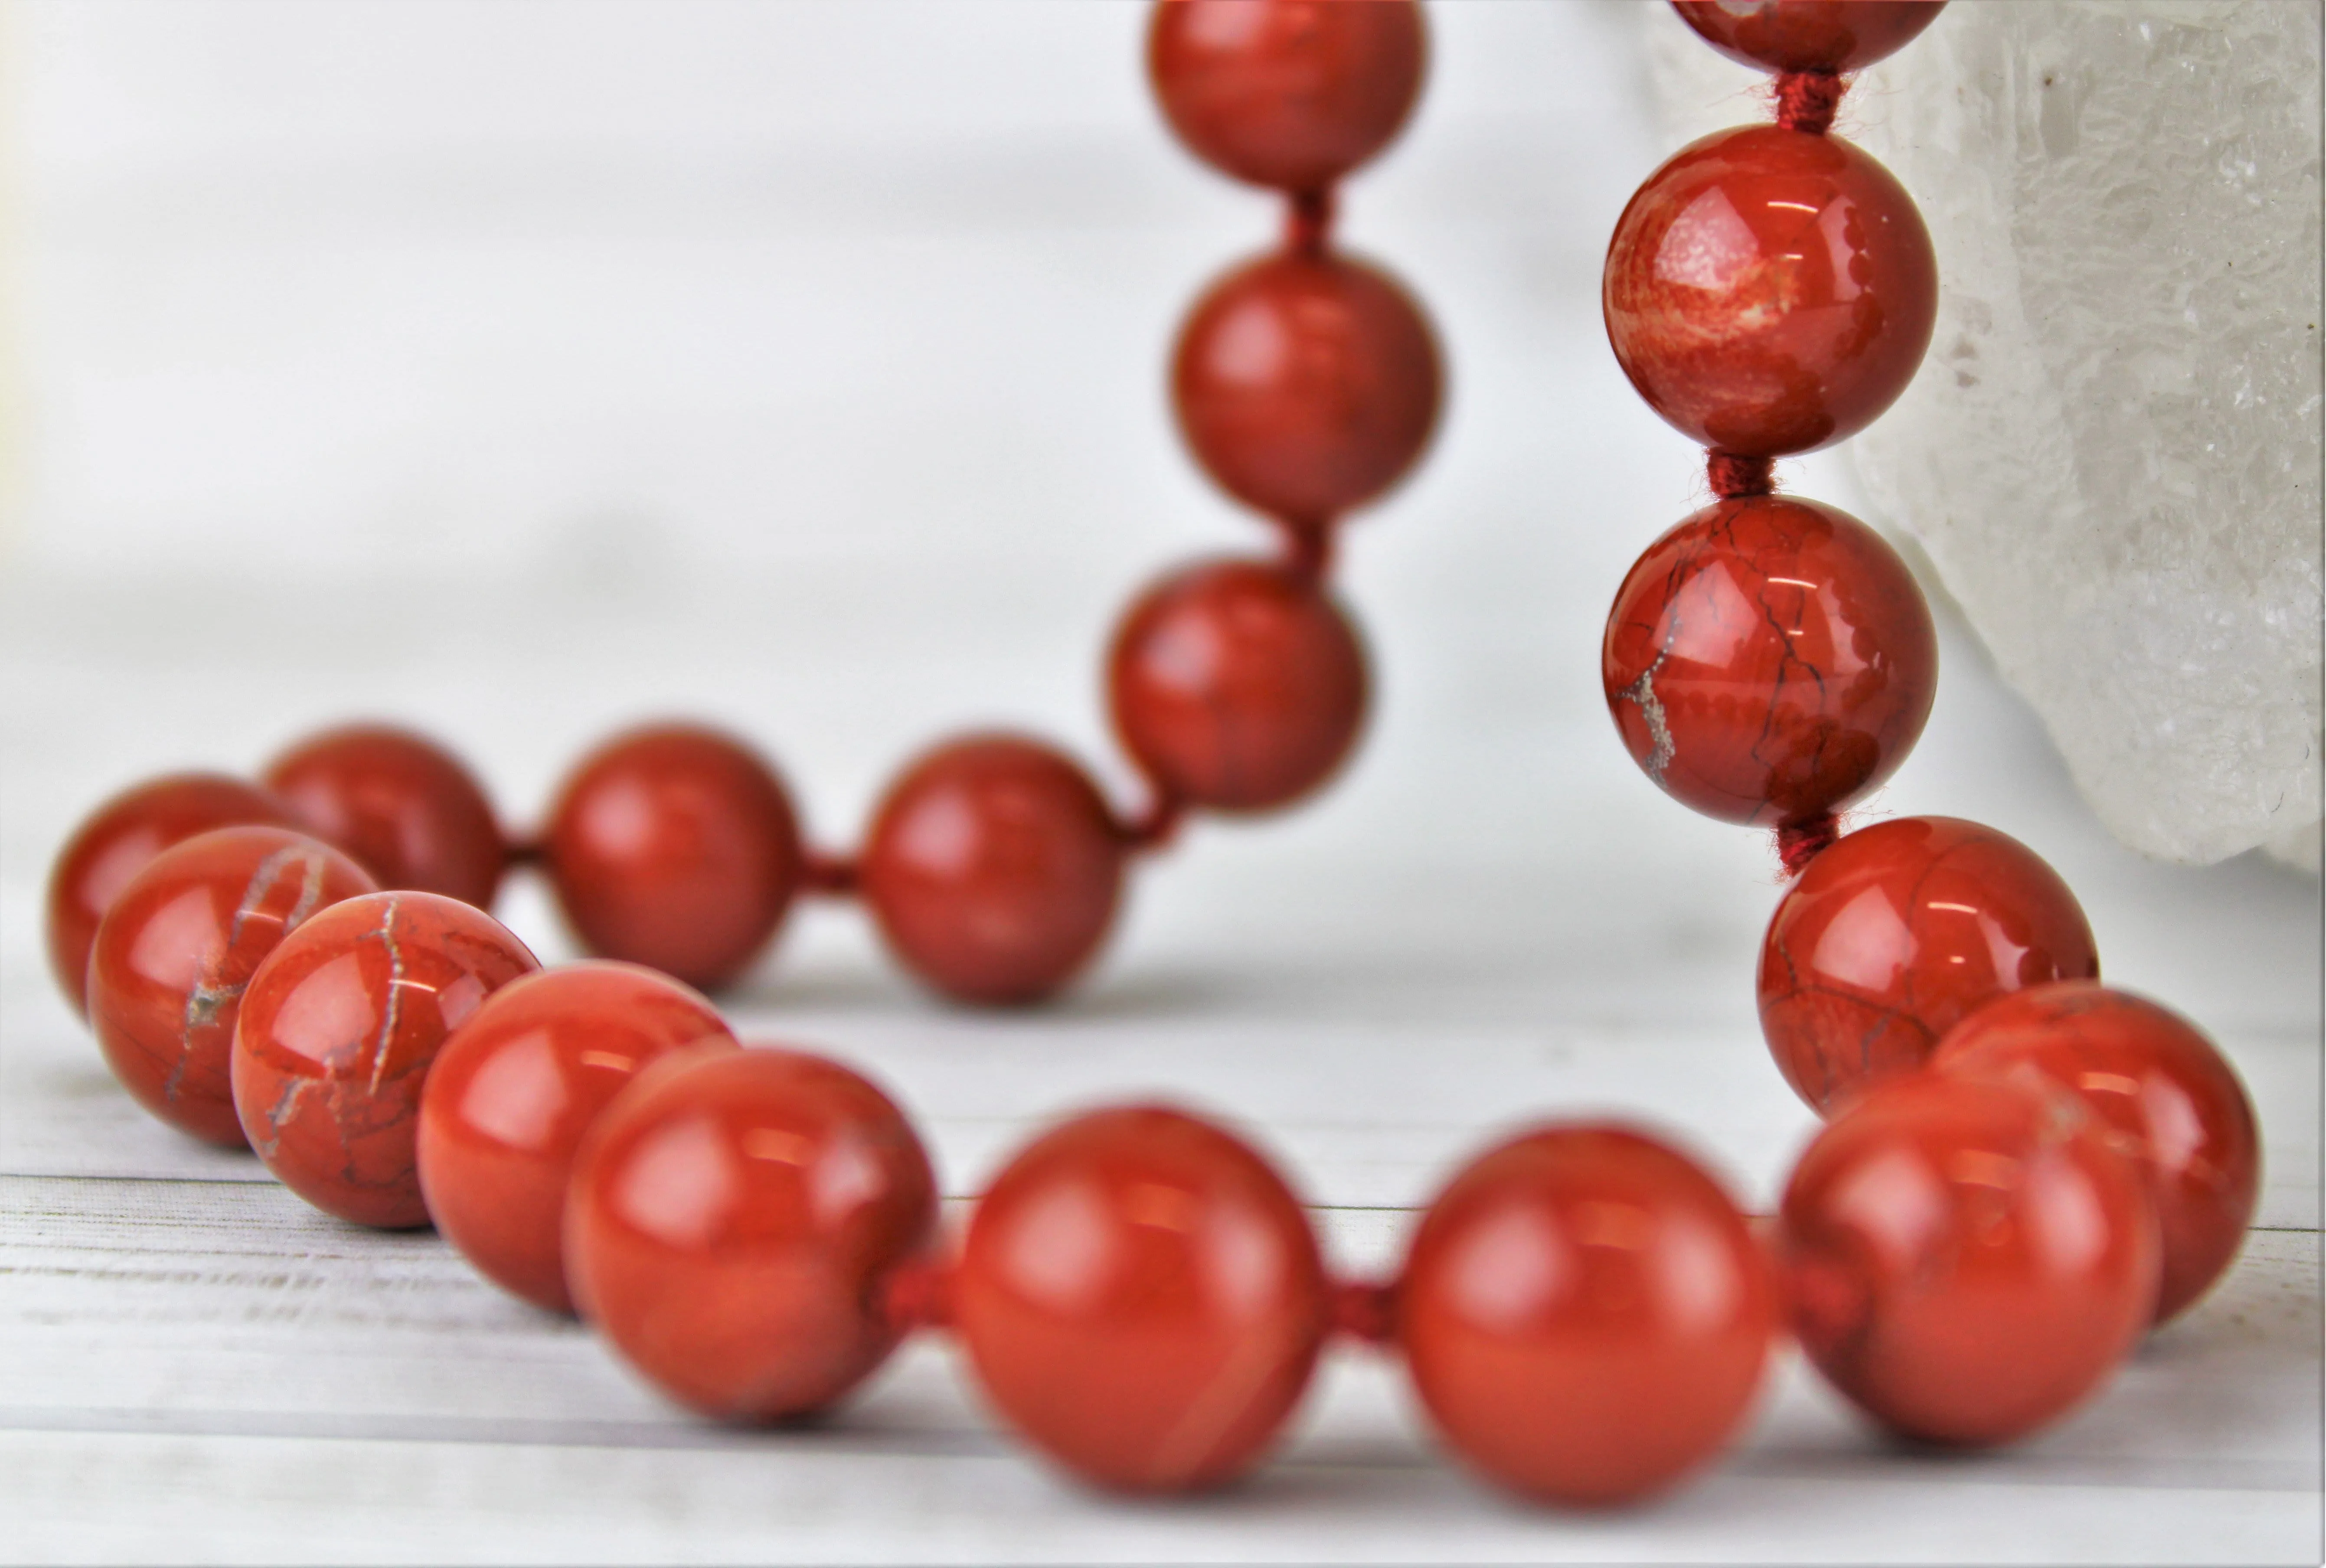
[[2021, 1171]]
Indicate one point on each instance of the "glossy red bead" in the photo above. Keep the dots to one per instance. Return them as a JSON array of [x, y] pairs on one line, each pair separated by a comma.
[[513, 1090], [1770, 660], [1141, 1298], [1238, 685], [1770, 291], [1894, 935], [1287, 93], [731, 1224], [1585, 1315], [1967, 1260], [676, 847], [409, 810], [2168, 1099], [178, 946], [337, 1031], [1829, 35], [1306, 385], [114, 843], [994, 869]]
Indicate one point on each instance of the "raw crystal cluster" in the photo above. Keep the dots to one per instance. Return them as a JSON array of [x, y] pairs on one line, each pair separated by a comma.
[[2112, 453]]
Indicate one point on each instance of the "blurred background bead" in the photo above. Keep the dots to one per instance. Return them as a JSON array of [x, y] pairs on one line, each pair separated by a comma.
[[1141, 1298], [1238, 685], [1770, 291], [994, 869], [676, 847], [1585, 1315], [1770, 660], [1827, 35], [2171, 1101], [1286, 93], [176, 949], [1306, 385], [1966, 1261], [116, 841], [1894, 935], [337, 1031], [513, 1090], [402, 804], [732, 1218]]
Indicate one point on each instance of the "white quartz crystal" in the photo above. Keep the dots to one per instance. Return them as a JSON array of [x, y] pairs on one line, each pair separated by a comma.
[[2111, 454]]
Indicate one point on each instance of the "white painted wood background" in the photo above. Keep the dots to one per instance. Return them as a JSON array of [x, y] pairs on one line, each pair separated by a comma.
[[519, 372]]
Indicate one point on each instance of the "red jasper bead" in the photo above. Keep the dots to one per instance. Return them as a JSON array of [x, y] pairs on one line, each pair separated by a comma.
[[1770, 660], [1288, 93], [1141, 1297], [1828, 35], [1237, 684], [406, 807], [117, 840], [1306, 385], [2168, 1098], [676, 847], [1894, 935], [733, 1221], [513, 1090], [1770, 291], [993, 867], [1585, 1315], [338, 1029], [1966, 1259], [181, 941]]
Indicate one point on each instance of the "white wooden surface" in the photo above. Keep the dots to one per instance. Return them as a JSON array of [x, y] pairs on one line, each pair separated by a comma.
[[520, 439]]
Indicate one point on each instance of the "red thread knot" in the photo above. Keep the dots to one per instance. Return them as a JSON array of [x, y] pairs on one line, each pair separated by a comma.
[[1153, 827], [1806, 100], [1308, 544], [1309, 220], [832, 874], [917, 1294], [1732, 475], [1799, 843], [1365, 1310]]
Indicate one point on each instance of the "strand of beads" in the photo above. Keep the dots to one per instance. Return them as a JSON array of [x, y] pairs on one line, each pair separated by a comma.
[[1970, 1251], [1583, 1311], [1306, 383]]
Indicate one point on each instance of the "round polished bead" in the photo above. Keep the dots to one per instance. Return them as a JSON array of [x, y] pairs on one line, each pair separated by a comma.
[[1238, 685], [337, 1031], [1826, 35], [1770, 291], [406, 807], [116, 841], [1770, 660], [1291, 94], [176, 949], [1966, 1261], [1141, 1298], [676, 847], [731, 1224], [2163, 1094], [1306, 385], [513, 1090], [1585, 1315], [1894, 935], [994, 869]]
